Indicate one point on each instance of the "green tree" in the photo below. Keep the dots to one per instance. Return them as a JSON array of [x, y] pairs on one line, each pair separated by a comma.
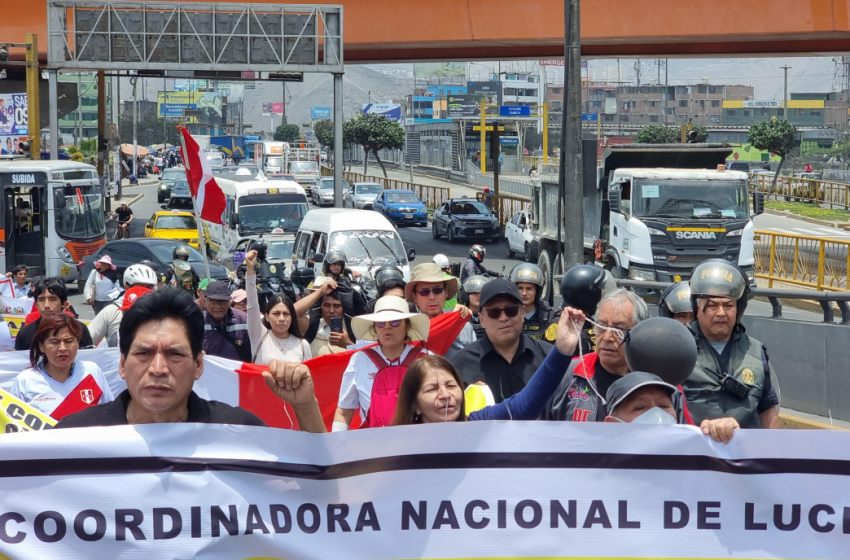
[[88, 146], [701, 133], [324, 130], [657, 134], [778, 137], [375, 132], [287, 133], [148, 131]]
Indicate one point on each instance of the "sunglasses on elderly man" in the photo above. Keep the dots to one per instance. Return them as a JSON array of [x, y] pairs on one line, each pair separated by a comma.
[[496, 312], [393, 324], [425, 292]]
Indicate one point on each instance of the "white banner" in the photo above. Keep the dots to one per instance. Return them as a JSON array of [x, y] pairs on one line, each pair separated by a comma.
[[460, 490]]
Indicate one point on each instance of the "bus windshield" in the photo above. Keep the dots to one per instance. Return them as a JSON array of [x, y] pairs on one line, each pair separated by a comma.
[[266, 212], [274, 162], [368, 246], [82, 215], [690, 199]]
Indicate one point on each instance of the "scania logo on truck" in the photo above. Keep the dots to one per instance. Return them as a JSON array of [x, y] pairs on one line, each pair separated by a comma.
[[23, 178], [695, 235]]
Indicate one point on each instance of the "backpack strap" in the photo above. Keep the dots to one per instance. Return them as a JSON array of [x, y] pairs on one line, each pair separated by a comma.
[[414, 353], [376, 358]]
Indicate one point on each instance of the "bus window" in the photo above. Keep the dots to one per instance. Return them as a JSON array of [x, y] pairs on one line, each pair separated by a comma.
[[81, 216], [301, 245]]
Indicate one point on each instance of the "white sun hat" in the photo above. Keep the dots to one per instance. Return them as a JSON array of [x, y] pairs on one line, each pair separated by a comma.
[[390, 308]]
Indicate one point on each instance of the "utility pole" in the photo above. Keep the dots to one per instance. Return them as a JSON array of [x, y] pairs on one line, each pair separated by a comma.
[[135, 126], [570, 167], [785, 97]]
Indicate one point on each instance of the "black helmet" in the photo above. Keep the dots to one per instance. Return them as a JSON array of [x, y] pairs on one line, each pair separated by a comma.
[[180, 252], [335, 256], [527, 272], [386, 273], [719, 278], [581, 287], [261, 247], [662, 346], [303, 276], [478, 252], [675, 299]]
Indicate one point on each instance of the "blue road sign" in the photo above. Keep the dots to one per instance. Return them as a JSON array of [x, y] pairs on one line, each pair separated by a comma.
[[317, 113], [509, 141], [514, 111], [590, 117]]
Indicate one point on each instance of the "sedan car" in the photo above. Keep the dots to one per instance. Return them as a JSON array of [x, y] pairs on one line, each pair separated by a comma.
[[401, 207], [179, 202], [180, 188], [362, 195], [279, 252], [167, 180], [125, 252], [173, 224], [518, 238], [464, 218], [323, 192]]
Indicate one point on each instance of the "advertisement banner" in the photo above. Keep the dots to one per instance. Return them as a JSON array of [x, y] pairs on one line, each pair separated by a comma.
[[440, 70], [391, 111], [469, 105], [319, 113], [490, 92], [460, 490], [13, 121], [171, 104]]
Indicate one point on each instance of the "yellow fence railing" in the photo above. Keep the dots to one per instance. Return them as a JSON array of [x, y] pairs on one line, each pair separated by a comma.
[[798, 188], [505, 205], [432, 196], [801, 260]]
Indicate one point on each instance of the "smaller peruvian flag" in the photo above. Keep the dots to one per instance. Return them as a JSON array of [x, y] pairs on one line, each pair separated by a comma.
[[209, 198]]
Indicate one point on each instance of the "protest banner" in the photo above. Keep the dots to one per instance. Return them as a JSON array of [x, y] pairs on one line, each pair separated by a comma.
[[517, 490]]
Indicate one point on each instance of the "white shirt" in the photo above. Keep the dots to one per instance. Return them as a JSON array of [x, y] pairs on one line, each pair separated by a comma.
[[356, 388], [100, 288], [41, 391], [265, 346], [106, 324]]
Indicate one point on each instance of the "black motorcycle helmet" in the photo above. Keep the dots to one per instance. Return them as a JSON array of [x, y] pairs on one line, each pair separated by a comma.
[[261, 247], [662, 346], [581, 287], [720, 278], [335, 256], [181, 253], [387, 277], [303, 276]]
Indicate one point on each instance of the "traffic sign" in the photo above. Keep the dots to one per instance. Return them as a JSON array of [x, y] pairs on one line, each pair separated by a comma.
[[590, 117], [514, 111], [488, 128], [509, 141]]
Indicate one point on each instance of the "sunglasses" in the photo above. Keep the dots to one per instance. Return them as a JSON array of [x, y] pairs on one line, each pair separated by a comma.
[[496, 312], [391, 323], [425, 292]]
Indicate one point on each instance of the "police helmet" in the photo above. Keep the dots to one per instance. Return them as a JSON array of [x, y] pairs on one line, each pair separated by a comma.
[[474, 284], [661, 346], [675, 299], [387, 273], [718, 278], [477, 252], [261, 247], [581, 287], [527, 272], [303, 276], [181, 252]]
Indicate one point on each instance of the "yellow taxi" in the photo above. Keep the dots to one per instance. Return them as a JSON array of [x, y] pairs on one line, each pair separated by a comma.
[[174, 224]]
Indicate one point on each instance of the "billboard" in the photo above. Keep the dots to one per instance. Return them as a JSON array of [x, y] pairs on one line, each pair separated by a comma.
[[171, 104], [318, 113], [272, 108], [13, 121], [490, 92], [440, 70], [391, 111], [468, 106]]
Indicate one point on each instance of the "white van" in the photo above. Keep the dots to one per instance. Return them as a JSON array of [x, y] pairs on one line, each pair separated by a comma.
[[368, 240]]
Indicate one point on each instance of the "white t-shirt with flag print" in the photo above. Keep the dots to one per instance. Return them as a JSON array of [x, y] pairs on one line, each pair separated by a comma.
[[41, 391]]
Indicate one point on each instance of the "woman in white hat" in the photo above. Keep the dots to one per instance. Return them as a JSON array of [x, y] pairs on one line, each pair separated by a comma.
[[394, 328], [102, 287]]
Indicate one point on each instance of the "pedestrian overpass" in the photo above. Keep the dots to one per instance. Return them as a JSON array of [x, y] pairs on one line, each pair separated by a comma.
[[393, 30]]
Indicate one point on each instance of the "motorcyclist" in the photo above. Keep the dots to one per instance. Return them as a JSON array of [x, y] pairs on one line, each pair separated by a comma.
[[139, 280], [180, 273], [675, 303], [473, 264], [471, 298], [446, 267], [538, 313], [582, 287]]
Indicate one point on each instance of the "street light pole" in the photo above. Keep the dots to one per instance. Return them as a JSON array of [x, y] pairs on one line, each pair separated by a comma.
[[570, 175], [785, 97]]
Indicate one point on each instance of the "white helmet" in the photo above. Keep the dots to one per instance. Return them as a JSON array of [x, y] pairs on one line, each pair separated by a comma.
[[140, 274], [441, 260]]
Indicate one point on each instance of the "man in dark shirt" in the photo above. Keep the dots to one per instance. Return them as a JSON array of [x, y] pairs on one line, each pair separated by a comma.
[[225, 328], [124, 214], [505, 359], [50, 296]]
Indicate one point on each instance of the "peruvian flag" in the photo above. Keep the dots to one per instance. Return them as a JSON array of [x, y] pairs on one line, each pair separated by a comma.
[[209, 198]]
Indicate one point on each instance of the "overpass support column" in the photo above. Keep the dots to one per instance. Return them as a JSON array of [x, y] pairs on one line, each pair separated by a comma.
[[53, 107], [339, 162]]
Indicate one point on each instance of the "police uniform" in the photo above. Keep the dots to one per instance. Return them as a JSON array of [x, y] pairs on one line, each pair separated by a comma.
[[587, 336], [185, 279], [537, 325]]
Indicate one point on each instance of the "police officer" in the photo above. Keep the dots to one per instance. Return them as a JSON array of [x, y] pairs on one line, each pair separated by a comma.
[[389, 281], [675, 303], [180, 273], [732, 373], [582, 287], [471, 298], [538, 313], [334, 266], [473, 265]]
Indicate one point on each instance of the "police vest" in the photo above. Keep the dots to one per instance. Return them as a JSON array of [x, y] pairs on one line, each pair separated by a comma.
[[477, 327], [587, 338], [707, 399], [537, 326], [184, 279]]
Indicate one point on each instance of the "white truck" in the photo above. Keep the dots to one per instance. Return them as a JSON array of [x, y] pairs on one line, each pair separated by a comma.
[[654, 213]]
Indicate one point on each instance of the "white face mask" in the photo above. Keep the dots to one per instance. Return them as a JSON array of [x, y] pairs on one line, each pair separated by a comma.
[[654, 415]]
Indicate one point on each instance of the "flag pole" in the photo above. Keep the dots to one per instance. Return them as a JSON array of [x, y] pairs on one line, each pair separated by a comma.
[[201, 241]]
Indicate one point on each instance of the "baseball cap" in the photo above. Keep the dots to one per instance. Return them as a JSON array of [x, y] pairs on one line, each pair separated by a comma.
[[631, 382], [218, 291], [499, 288], [238, 296], [203, 284]]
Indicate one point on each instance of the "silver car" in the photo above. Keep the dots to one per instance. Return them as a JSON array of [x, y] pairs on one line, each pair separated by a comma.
[[323, 193], [361, 196]]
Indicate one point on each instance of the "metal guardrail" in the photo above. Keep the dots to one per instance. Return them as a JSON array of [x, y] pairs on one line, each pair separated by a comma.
[[431, 196], [773, 295], [793, 189], [801, 260], [505, 205]]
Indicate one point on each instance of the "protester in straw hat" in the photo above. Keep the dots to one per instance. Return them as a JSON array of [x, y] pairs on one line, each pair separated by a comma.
[[394, 328], [429, 289]]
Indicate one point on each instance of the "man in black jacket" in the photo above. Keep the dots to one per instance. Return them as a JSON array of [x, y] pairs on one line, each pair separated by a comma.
[[50, 296], [473, 265]]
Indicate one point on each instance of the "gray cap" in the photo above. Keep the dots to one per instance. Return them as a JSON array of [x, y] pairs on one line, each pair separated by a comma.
[[631, 382], [219, 291]]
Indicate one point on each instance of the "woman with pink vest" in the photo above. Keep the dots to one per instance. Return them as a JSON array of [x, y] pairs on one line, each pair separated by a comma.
[[373, 376]]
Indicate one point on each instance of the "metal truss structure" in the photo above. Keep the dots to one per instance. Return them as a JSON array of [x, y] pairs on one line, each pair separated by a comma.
[[189, 36]]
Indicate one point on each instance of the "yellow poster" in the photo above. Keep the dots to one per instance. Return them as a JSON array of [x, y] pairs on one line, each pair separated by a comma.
[[18, 416]]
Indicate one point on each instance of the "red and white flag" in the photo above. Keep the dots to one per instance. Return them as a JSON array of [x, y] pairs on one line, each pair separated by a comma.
[[209, 198]]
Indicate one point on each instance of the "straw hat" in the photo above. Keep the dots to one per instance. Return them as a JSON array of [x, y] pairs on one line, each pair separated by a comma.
[[430, 272], [390, 308]]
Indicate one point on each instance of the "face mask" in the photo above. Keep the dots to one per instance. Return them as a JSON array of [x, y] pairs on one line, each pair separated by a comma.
[[652, 416]]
